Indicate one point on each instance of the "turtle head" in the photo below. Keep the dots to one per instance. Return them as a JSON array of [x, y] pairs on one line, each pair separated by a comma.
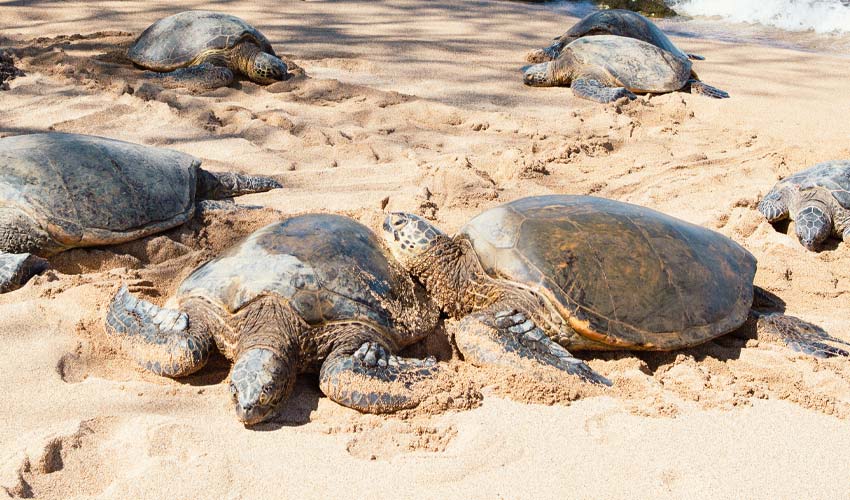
[[408, 236], [814, 225], [536, 75], [267, 69], [258, 382]]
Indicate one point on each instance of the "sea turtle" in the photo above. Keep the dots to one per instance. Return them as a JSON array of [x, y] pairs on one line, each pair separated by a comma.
[[619, 22], [604, 68], [314, 293], [203, 49], [817, 199], [539, 275], [61, 191]]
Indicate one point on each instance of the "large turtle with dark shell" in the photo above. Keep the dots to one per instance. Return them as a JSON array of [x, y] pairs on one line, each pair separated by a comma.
[[619, 22], [61, 191], [204, 49], [605, 68], [540, 275], [816, 199], [314, 293]]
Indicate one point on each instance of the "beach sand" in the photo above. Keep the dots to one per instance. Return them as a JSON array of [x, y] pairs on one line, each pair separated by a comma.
[[419, 106]]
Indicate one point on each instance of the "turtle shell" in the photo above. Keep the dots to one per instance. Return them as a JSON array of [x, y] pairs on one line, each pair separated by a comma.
[[833, 176], [85, 190], [621, 22], [329, 267], [176, 41], [637, 65], [619, 274]]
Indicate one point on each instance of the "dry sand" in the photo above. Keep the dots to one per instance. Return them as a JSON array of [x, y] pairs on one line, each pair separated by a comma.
[[403, 99]]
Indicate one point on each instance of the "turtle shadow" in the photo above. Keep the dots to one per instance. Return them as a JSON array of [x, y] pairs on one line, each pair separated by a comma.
[[297, 408]]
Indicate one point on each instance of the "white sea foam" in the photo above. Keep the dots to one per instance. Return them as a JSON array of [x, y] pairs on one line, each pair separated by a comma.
[[821, 16]]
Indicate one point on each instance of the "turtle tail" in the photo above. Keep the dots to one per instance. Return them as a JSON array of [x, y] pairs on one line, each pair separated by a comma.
[[221, 185]]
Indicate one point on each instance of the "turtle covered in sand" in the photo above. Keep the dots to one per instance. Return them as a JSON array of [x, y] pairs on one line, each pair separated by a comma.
[[61, 191], [203, 49], [619, 22], [540, 275], [816, 199], [314, 293], [605, 68]]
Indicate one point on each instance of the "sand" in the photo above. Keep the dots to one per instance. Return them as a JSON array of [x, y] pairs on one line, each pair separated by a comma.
[[412, 105]]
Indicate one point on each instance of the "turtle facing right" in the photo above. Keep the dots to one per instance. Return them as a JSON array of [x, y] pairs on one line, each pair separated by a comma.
[[605, 68], [817, 199], [61, 191], [619, 22], [203, 49], [540, 275]]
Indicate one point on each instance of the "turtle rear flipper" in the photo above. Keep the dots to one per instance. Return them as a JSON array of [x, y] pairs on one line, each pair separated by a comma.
[[200, 78], [702, 88], [362, 374], [800, 336], [17, 268], [501, 335], [695, 57], [594, 90], [161, 340]]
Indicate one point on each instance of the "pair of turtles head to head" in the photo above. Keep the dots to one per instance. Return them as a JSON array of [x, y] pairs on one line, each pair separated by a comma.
[[612, 54], [204, 50]]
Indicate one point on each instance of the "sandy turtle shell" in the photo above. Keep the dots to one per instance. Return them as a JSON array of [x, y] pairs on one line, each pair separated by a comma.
[[620, 274], [634, 64], [625, 23], [328, 267], [182, 39], [56, 185]]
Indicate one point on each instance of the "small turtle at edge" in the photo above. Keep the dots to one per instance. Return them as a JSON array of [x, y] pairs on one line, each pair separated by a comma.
[[619, 22], [203, 49], [816, 199], [61, 191], [314, 293], [540, 275], [605, 68]]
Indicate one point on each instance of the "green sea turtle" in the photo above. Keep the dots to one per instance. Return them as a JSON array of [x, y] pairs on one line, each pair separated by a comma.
[[619, 22], [605, 68], [314, 293], [817, 199], [61, 191], [203, 49], [540, 275]]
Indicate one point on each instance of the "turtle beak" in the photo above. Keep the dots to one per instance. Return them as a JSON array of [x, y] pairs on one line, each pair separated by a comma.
[[251, 414]]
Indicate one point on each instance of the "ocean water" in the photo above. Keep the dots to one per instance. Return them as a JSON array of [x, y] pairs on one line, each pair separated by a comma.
[[811, 25]]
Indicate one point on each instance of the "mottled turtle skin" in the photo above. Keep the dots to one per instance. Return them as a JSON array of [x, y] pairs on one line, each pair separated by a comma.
[[210, 46], [540, 275], [605, 68], [817, 199], [61, 191], [618, 22], [314, 293]]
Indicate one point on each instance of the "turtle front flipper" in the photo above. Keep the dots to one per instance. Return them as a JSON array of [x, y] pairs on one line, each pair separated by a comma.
[[198, 78], [17, 268], [361, 373], [774, 206], [500, 335], [595, 90], [800, 336], [701, 88], [164, 341], [549, 53]]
